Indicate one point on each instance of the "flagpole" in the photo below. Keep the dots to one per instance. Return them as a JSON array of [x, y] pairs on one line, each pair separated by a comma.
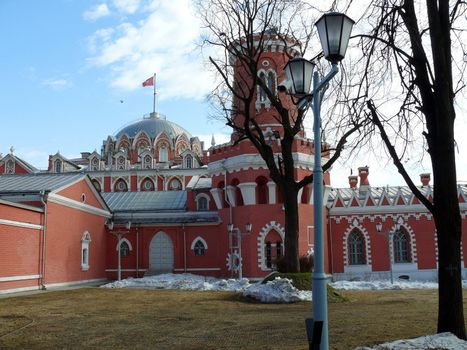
[[154, 100]]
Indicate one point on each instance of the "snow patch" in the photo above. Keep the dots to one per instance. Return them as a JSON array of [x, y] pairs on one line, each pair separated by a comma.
[[280, 290], [441, 341], [386, 285]]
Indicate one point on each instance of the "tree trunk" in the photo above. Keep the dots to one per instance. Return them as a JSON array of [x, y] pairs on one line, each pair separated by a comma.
[[291, 229], [449, 230]]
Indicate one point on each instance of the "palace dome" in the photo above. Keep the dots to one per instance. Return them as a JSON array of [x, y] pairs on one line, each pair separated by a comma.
[[153, 125]]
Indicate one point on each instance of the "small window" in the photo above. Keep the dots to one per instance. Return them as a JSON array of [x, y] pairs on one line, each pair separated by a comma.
[[189, 162], [202, 204], [97, 185], [121, 186], [262, 92], [124, 249], [85, 240], [163, 154], [175, 185], [278, 249], [199, 248], [95, 164], [58, 166]]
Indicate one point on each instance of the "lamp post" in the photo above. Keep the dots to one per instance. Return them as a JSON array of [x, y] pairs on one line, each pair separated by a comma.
[[389, 236], [231, 229], [334, 32], [119, 234]]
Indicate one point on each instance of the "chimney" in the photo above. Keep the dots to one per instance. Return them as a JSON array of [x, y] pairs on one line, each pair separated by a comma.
[[363, 174], [425, 179], [353, 181]]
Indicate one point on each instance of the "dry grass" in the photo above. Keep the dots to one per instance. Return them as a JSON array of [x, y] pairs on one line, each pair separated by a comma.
[[143, 319]]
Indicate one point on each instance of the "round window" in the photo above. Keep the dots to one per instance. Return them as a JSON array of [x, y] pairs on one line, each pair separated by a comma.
[[176, 184], [265, 63], [147, 184]]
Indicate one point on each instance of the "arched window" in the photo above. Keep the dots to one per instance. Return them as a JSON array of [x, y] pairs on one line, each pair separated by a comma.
[[58, 166], [189, 162], [401, 247], [202, 204], [356, 252], [97, 185], [147, 185], [261, 190], [175, 185], [121, 186], [262, 93], [124, 249], [199, 248], [271, 82], [163, 154]]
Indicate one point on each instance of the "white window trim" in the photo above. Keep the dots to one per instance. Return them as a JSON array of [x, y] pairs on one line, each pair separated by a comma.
[[85, 240], [204, 195], [199, 238], [126, 241]]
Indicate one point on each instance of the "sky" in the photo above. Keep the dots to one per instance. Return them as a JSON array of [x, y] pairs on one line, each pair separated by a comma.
[[71, 74]]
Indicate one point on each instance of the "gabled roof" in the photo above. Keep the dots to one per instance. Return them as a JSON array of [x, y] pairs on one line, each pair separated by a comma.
[[37, 182], [146, 201], [66, 160], [25, 165]]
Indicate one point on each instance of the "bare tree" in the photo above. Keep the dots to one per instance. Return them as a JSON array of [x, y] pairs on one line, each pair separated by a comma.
[[239, 33], [405, 88]]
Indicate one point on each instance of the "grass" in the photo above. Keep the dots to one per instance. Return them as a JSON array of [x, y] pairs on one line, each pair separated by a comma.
[[163, 319]]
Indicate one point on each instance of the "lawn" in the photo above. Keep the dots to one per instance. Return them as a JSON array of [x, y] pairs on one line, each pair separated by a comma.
[[165, 319]]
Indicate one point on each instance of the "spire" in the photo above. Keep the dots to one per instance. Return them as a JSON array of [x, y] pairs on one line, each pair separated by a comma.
[[213, 142]]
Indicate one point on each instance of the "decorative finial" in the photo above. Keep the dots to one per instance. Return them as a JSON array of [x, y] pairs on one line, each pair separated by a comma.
[[12, 150]]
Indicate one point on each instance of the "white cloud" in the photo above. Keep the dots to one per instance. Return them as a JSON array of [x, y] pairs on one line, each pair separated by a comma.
[[57, 84], [127, 6], [164, 42], [96, 12]]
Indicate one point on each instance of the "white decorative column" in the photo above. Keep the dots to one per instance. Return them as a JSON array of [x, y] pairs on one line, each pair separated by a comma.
[[248, 192], [217, 195], [231, 195], [272, 192]]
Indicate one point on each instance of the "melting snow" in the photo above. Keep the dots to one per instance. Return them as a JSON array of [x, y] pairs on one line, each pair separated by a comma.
[[442, 341], [384, 285]]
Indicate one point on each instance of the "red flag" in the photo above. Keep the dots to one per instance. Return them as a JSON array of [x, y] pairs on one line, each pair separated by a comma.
[[149, 82]]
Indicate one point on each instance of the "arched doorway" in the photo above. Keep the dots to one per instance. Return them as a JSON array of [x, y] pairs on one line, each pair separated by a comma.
[[161, 254]]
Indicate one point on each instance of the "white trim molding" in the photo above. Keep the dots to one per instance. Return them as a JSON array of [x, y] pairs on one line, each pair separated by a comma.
[[20, 224], [71, 203], [199, 238], [273, 225], [19, 278]]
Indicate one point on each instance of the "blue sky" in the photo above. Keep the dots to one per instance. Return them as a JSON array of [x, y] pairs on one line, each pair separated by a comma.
[[66, 65], [65, 68]]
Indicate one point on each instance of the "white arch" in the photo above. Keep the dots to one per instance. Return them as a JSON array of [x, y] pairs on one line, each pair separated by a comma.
[[126, 241], [261, 242], [199, 238], [356, 225]]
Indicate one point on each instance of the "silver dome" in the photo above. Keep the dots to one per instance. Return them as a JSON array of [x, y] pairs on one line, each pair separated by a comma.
[[153, 126]]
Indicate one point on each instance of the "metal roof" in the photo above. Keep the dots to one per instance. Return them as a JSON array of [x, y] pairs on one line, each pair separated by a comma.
[[37, 182], [392, 193], [146, 201], [198, 182], [153, 126]]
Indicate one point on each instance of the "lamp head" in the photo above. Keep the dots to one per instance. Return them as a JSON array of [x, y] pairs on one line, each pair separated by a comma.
[[300, 72], [334, 30]]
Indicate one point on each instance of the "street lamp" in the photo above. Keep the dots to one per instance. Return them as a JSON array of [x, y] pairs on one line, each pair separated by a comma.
[[334, 31], [231, 229], [389, 236]]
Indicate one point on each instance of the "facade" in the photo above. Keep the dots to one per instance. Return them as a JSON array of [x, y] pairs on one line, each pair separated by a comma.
[[154, 200]]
